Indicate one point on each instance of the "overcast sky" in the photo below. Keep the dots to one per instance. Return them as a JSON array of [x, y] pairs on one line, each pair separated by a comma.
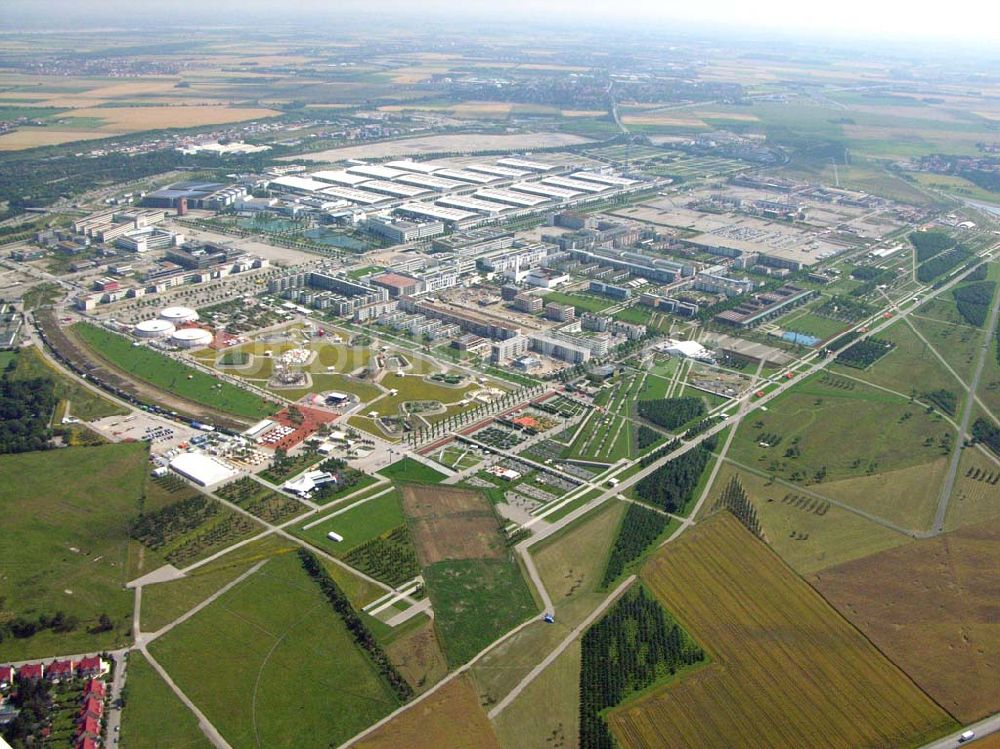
[[896, 19]]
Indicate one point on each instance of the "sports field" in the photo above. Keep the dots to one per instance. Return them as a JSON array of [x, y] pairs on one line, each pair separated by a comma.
[[273, 635], [820, 683], [69, 511]]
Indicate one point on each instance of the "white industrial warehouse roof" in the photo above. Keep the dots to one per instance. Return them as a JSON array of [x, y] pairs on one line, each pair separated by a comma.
[[536, 188], [339, 177], [202, 469], [413, 166]]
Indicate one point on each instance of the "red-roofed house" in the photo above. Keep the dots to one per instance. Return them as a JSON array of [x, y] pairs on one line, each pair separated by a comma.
[[31, 671], [59, 670], [95, 688], [6, 676], [93, 707], [86, 742], [90, 727], [90, 666]]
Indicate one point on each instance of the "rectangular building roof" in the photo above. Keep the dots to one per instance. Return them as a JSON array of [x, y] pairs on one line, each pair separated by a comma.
[[537, 188], [202, 469], [396, 280], [576, 184], [498, 171], [355, 196], [339, 177], [376, 170], [431, 182], [473, 204], [467, 176], [521, 200], [531, 166], [393, 188], [429, 210], [301, 184], [604, 179], [413, 166]]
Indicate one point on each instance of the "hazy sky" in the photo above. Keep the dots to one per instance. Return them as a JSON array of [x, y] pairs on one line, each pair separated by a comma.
[[957, 19]]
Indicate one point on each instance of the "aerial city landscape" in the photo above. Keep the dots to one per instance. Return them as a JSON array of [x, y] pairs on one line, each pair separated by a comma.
[[445, 382]]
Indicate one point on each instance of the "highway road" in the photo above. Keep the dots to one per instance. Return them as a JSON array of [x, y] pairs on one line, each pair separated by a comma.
[[983, 728]]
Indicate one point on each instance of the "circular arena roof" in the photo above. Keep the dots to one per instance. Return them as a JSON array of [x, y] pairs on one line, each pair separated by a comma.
[[191, 337], [178, 314], [153, 328]]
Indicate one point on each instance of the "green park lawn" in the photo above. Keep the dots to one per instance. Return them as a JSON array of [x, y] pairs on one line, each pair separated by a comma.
[[154, 717], [170, 375], [271, 664]]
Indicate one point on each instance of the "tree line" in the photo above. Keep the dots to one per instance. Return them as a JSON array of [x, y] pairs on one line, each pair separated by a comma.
[[26, 408], [355, 625], [930, 243], [942, 263], [671, 486], [632, 647], [671, 413], [974, 300], [987, 433], [639, 528], [734, 498], [865, 352]]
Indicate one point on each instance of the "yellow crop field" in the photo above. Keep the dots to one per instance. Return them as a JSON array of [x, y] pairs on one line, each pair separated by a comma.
[[664, 119], [32, 137], [129, 119], [787, 670]]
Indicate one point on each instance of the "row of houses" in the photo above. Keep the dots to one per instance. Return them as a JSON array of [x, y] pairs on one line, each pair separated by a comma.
[[58, 670]]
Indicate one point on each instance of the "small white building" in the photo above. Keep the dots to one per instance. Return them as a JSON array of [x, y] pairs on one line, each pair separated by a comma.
[[687, 350]]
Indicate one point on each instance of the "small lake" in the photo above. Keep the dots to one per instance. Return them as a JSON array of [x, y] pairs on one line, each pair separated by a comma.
[[800, 338]]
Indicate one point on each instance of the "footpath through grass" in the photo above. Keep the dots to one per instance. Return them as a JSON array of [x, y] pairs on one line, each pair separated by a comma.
[[168, 374], [154, 717]]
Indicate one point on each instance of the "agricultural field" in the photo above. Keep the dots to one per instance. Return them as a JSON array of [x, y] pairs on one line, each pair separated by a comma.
[[239, 658], [416, 653], [170, 375], [451, 717], [930, 607], [830, 427], [155, 717], [473, 581], [822, 683], [74, 552]]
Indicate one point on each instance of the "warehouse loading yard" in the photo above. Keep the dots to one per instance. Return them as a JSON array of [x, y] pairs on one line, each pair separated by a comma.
[[439, 377]]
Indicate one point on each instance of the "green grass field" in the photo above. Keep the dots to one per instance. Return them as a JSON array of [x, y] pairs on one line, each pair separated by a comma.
[[412, 470], [475, 601], [68, 511], [828, 427], [170, 375], [154, 717], [416, 388], [83, 403], [583, 302], [362, 522], [273, 636]]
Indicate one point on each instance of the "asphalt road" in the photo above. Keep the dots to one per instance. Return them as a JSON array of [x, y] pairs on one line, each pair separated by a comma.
[[983, 728]]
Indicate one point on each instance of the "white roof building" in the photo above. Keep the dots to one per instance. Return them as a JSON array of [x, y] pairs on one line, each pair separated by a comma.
[[687, 349], [202, 469], [308, 481]]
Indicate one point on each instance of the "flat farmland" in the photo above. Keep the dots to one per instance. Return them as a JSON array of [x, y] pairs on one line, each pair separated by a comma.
[[787, 670], [931, 606], [451, 717], [443, 143], [976, 496], [473, 580], [132, 119], [449, 523]]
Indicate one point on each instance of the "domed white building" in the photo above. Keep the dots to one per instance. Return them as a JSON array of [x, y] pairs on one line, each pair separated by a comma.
[[153, 329], [178, 315], [191, 337]]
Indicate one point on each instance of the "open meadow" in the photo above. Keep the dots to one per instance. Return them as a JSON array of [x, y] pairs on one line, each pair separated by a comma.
[[821, 683], [155, 717], [69, 511], [271, 635]]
